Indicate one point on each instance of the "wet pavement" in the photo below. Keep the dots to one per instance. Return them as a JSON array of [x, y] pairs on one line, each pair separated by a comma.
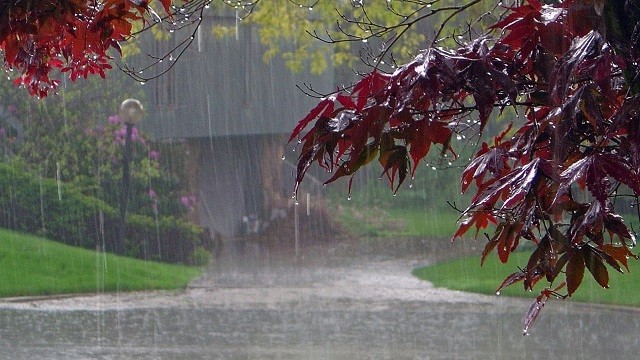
[[335, 303]]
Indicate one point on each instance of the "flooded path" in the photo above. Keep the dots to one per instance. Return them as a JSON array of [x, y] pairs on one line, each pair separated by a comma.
[[332, 304]]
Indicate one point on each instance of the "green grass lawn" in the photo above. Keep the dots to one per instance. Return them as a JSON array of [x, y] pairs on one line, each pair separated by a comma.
[[399, 222], [466, 274], [35, 266]]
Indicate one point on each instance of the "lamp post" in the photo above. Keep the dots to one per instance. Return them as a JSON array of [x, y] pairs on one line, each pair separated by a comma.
[[131, 112]]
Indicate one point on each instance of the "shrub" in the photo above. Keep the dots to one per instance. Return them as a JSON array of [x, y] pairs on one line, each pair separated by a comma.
[[201, 257], [166, 239], [40, 206]]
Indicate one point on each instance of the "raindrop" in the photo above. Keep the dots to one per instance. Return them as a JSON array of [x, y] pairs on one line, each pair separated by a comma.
[[59, 181]]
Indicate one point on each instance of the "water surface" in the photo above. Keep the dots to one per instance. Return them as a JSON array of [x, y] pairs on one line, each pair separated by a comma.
[[336, 303]]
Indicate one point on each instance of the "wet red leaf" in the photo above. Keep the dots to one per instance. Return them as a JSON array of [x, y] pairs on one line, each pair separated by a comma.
[[536, 307], [510, 280], [487, 250], [619, 253], [325, 107], [575, 270], [596, 267], [534, 311]]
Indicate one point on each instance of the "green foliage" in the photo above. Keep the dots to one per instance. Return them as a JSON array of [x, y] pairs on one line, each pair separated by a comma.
[[54, 128], [61, 212], [167, 238], [289, 34], [66, 139], [351, 31], [32, 265], [82, 146], [201, 257], [35, 204]]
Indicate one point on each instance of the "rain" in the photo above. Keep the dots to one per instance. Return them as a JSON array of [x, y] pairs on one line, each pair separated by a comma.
[[200, 175]]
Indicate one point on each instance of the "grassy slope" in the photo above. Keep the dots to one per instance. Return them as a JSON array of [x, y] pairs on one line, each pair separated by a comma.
[[35, 266], [467, 275]]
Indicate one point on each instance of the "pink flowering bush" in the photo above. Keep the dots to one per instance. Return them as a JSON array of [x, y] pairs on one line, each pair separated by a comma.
[[152, 192], [188, 201]]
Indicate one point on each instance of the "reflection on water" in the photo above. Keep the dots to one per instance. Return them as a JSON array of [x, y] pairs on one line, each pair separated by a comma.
[[317, 308]]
